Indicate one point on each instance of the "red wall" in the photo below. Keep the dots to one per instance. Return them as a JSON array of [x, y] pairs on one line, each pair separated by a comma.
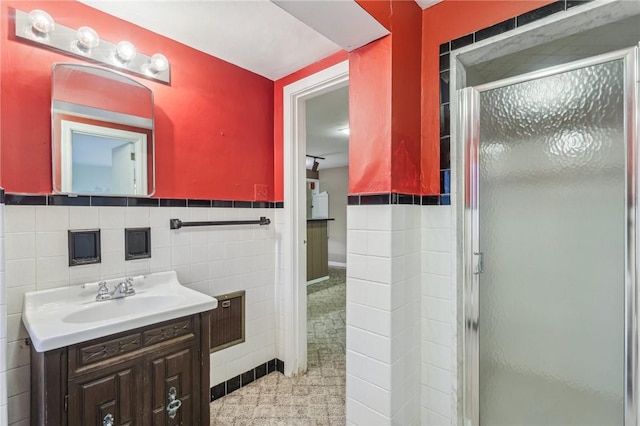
[[219, 127], [405, 97], [370, 118], [278, 135], [446, 21], [384, 104], [214, 123]]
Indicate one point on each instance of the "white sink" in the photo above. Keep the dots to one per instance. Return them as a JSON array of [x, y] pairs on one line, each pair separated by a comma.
[[69, 315]]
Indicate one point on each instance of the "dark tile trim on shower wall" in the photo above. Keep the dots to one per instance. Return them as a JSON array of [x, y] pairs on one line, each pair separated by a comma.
[[445, 55], [235, 383], [101, 201], [389, 198]]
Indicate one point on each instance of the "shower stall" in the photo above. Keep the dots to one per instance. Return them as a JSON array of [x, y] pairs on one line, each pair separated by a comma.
[[548, 236]]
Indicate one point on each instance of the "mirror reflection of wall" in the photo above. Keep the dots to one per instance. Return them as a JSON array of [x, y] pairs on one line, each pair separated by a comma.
[[102, 124], [96, 161]]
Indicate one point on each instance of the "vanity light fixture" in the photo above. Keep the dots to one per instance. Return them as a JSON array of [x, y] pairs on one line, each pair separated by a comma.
[[38, 28], [41, 24]]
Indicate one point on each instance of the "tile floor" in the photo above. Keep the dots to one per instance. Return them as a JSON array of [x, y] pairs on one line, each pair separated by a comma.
[[316, 398]]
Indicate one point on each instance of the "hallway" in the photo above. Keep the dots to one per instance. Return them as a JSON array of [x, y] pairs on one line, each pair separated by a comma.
[[318, 397]]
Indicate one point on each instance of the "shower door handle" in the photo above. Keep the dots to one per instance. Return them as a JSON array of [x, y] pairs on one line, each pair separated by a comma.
[[479, 262]]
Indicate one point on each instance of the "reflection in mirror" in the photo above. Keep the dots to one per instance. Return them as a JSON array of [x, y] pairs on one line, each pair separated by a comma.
[[102, 125]]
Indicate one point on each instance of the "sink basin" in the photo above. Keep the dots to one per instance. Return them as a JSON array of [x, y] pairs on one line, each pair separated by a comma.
[[69, 315], [122, 307]]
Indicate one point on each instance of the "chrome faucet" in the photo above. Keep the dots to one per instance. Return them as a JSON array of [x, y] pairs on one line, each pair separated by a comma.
[[123, 289]]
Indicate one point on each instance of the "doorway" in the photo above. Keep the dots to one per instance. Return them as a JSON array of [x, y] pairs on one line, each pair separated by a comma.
[[292, 281], [327, 150]]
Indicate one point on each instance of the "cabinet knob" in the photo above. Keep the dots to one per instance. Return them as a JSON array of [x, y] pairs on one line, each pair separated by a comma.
[[174, 403], [108, 420]]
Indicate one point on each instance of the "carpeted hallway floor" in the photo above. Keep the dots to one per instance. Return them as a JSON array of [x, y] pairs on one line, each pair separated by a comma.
[[316, 398]]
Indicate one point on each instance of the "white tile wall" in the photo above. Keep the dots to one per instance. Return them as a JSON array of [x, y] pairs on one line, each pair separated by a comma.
[[279, 287], [400, 295], [213, 260], [405, 316], [383, 315], [3, 325], [438, 316]]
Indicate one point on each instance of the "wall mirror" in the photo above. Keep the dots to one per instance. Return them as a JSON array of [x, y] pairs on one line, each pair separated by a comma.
[[102, 132]]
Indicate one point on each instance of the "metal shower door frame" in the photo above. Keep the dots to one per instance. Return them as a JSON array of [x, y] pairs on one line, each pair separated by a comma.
[[469, 112]]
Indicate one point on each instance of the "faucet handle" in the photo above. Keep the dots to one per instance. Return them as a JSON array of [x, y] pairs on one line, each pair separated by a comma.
[[128, 287], [103, 291]]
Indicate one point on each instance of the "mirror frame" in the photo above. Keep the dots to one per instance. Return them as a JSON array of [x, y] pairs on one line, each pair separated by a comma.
[[92, 113]]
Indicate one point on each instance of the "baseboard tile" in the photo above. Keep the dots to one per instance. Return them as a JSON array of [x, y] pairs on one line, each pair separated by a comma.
[[237, 382]]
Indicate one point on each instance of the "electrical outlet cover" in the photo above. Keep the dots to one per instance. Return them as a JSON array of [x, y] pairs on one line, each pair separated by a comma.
[[261, 192]]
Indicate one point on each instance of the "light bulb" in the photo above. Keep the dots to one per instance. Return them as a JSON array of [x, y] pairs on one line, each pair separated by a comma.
[[87, 38], [158, 63], [41, 22], [345, 131], [125, 51]]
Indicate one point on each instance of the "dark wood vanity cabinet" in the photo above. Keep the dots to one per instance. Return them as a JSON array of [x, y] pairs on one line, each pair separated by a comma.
[[139, 377]]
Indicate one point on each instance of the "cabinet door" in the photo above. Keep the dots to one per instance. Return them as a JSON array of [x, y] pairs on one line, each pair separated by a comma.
[[174, 377], [95, 399], [317, 250]]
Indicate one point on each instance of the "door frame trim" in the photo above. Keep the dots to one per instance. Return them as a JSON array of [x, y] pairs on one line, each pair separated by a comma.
[[556, 26], [292, 282]]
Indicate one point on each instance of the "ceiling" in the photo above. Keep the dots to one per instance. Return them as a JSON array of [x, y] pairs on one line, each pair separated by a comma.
[[270, 38], [258, 35], [325, 116]]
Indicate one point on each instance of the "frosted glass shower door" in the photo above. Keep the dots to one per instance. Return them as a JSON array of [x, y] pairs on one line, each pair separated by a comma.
[[550, 183]]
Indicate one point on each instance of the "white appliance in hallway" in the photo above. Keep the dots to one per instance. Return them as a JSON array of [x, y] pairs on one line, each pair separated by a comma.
[[320, 205]]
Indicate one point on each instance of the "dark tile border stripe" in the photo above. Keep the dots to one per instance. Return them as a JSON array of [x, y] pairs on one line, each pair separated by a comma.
[[391, 198], [109, 201], [102, 201], [61, 200], [25, 200], [465, 40], [235, 383], [198, 203]]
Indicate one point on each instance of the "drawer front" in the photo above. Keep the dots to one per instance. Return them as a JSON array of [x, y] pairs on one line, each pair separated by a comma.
[[168, 331], [84, 356], [100, 351]]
